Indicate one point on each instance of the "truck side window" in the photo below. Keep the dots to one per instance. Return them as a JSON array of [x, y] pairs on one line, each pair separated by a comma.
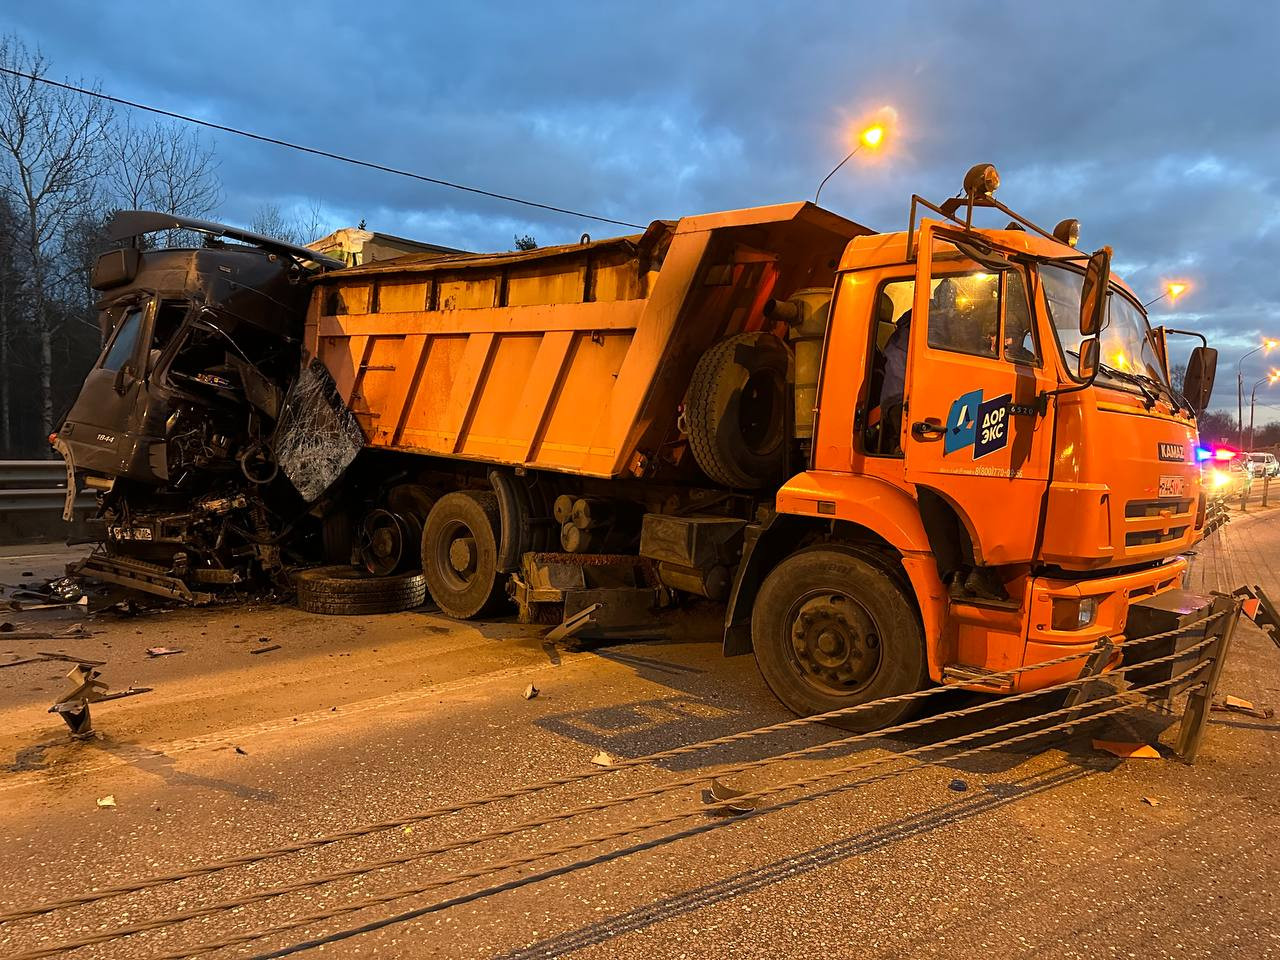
[[1019, 330], [126, 340], [964, 314]]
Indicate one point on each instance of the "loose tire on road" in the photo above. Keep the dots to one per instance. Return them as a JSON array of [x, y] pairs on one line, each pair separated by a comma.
[[460, 554], [345, 591], [736, 410], [831, 629]]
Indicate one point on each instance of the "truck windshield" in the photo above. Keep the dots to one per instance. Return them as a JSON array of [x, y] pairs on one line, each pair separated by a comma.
[[1128, 357]]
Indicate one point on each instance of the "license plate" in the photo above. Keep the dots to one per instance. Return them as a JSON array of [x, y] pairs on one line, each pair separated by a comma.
[[1172, 486], [130, 533]]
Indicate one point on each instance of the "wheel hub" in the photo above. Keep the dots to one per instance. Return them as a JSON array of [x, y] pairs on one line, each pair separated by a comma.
[[462, 555], [836, 643]]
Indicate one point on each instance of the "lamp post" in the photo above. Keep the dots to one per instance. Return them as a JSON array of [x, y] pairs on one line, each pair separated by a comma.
[[1173, 290], [1266, 344], [871, 137], [1272, 377]]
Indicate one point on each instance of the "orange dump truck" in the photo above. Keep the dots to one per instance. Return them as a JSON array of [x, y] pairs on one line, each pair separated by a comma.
[[896, 458]]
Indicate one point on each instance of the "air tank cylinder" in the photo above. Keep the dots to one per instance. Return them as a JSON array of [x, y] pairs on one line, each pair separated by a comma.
[[805, 314]]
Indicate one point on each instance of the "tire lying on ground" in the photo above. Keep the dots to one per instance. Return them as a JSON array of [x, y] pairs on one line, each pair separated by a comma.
[[460, 554], [346, 591], [735, 410], [831, 628]]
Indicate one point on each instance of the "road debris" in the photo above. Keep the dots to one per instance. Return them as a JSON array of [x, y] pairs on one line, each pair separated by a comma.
[[67, 589], [274, 646], [1151, 801], [162, 651], [242, 751], [531, 691], [86, 688], [958, 785], [108, 801], [74, 632], [603, 759], [726, 798], [1240, 705], [1126, 750]]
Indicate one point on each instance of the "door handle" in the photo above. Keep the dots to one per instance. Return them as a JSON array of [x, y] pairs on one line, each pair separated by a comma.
[[929, 429]]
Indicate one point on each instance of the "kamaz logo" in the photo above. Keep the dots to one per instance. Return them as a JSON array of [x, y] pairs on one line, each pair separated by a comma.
[[1171, 451]]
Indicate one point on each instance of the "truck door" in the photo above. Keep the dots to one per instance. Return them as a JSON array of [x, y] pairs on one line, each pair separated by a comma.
[[971, 430]]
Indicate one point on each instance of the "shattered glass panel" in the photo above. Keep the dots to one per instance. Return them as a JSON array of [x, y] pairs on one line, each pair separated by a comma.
[[317, 436]]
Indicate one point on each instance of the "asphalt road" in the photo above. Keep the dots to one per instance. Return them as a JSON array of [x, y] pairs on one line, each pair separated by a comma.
[[1052, 850]]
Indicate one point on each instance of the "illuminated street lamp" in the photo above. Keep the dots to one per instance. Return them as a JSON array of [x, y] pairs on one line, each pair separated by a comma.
[[1268, 344], [871, 137], [1173, 290], [1270, 378]]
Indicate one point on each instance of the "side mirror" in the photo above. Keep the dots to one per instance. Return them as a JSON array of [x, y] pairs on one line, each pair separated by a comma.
[[1093, 294], [1090, 354], [1197, 385]]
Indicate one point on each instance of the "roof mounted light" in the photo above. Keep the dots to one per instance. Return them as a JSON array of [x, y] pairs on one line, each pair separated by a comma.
[[982, 180], [1068, 231]]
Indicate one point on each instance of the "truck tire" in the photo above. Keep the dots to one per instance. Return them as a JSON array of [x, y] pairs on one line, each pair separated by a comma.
[[735, 410], [831, 629], [345, 591], [460, 554]]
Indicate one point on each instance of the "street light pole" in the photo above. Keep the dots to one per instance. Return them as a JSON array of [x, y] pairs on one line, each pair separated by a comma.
[[871, 138], [1266, 344], [1253, 399]]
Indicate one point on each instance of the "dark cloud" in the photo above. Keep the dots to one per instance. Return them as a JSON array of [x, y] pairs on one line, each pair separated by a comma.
[[1156, 124]]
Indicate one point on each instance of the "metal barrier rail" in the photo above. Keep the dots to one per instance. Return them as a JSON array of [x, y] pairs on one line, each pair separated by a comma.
[[1208, 641], [33, 494], [37, 485]]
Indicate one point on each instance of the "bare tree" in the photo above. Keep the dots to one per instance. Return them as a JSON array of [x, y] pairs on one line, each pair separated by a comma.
[[163, 167], [270, 221], [11, 309], [298, 228], [51, 145]]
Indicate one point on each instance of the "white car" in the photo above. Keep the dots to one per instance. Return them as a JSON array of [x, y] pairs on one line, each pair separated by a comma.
[[1262, 464]]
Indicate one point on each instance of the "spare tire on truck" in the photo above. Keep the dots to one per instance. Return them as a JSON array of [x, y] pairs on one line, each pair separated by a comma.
[[347, 590], [460, 554], [735, 411]]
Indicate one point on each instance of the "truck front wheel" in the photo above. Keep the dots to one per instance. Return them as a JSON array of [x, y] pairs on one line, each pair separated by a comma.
[[832, 629], [460, 554]]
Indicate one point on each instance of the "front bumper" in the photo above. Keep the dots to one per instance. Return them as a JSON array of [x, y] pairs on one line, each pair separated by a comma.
[[1116, 596]]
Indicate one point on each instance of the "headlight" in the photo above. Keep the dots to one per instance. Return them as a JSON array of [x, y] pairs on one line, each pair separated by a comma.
[[1220, 478], [1074, 613]]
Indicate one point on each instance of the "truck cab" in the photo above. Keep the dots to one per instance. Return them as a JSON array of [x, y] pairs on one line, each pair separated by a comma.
[[968, 417], [200, 344]]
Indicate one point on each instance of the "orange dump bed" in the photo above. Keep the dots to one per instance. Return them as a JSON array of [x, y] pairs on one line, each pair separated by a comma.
[[571, 358]]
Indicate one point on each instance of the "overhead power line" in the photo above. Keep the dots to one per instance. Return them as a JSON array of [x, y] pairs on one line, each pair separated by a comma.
[[315, 150]]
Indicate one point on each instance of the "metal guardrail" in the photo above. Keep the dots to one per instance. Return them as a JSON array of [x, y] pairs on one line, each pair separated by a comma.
[[37, 485], [32, 496]]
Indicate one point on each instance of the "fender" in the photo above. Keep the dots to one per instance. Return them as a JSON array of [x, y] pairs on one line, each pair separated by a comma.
[[818, 504], [882, 507]]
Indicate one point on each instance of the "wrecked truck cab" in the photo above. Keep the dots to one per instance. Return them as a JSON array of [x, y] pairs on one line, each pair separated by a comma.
[[200, 346], [196, 340]]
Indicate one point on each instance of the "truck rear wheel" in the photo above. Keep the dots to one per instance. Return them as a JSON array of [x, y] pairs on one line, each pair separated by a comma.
[[460, 554], [736, 410], [832, 629]]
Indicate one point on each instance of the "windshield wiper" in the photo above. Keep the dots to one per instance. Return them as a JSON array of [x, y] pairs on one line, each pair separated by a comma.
[[1136, 379], [1162, 388]]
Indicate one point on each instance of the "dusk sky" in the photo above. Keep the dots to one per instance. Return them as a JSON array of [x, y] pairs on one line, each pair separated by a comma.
[[1157, 124]]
